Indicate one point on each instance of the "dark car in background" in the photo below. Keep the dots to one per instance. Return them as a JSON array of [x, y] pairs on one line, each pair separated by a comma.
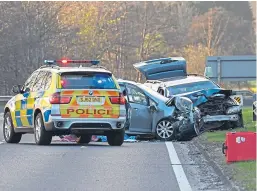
[[168, 76]]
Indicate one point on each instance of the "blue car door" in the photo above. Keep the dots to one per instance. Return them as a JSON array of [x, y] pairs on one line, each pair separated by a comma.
[[140, 115]]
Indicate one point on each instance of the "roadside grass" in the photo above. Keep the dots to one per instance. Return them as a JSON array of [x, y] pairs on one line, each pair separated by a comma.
[[245, 172]]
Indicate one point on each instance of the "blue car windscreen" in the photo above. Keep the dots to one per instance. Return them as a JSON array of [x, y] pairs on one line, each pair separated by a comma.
[[191, 87]]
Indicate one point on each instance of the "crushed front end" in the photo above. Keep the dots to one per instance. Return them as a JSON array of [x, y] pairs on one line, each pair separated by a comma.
[[221, 111]]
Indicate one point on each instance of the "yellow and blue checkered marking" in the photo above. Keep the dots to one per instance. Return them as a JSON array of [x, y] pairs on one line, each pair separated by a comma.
[[18, 118]]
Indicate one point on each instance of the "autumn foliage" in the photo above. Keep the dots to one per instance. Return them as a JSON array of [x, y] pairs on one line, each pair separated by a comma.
[[117, 33]]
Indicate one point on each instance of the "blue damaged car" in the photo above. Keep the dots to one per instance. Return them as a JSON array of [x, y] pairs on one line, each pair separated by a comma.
[[168, 76]]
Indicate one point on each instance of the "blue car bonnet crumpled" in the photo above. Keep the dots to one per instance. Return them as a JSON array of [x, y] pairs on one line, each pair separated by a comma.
[[197, 100]]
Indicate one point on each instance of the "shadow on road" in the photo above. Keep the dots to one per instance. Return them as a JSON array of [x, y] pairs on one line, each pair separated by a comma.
[[66, 144]]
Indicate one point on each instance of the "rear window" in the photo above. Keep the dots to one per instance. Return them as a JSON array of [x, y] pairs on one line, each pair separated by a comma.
[[91, 80]]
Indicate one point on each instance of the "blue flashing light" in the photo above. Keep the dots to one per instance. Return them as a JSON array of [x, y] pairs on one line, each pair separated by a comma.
[[95, 62], [49, 61]]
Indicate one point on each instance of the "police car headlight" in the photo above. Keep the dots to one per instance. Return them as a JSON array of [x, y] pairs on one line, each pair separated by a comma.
[[233, 110], [183, 104]]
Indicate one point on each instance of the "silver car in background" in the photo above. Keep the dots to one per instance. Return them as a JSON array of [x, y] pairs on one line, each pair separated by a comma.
[[150, 113]]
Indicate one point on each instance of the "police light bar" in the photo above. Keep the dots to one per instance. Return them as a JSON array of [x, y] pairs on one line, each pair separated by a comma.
[[50, 62]]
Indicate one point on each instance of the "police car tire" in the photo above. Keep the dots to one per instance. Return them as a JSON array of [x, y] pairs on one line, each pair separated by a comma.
[[14, 137], [116, 138], [45, 137], [84, 139]]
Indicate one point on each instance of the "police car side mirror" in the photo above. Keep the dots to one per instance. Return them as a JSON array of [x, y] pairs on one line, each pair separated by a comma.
[[16, 89], [26, 90]]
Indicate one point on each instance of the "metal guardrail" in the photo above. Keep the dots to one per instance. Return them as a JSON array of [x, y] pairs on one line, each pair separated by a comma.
[[5, 98]]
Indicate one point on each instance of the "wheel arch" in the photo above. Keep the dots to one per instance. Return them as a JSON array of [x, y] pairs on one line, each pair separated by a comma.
[[7, 109]]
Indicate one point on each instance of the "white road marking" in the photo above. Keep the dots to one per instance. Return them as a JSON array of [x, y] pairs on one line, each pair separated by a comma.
[[178, 169]]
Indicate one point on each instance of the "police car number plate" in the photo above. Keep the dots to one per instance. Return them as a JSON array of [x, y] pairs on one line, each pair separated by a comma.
[[90, 100]]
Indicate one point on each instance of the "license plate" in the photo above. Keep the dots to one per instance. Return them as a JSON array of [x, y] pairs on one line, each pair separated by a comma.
[[86, 100]]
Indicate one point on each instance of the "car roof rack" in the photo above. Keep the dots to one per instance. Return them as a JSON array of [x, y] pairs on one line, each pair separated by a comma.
[[49, 66]]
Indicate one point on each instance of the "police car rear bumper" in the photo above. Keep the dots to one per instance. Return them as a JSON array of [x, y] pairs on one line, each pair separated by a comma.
[[58, 123]]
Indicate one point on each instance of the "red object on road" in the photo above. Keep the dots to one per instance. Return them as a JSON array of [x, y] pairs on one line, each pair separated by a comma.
[[240, 146]]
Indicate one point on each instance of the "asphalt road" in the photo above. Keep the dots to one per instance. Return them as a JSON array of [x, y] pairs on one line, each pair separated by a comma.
[[143, 166]]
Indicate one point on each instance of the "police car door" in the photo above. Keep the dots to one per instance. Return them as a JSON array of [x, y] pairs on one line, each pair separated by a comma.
[[21, 116], [36, 93], [141, 118]]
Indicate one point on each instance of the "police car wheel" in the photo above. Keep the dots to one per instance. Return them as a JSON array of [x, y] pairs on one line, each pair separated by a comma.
[[8, 130], [84, 139], [116, 138], [42, 137], [165, 130]]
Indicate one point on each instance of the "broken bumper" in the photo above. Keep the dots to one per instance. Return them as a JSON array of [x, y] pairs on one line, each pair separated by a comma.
[[208, 118]]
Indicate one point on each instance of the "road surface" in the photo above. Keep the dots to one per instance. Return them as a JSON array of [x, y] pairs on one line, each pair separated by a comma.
[[144, 166]]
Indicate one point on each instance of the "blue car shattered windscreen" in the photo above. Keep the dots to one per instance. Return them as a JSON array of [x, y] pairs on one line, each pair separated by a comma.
[[191, 87]]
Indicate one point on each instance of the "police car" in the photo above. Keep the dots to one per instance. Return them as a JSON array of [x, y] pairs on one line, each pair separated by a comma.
[[58, 99]]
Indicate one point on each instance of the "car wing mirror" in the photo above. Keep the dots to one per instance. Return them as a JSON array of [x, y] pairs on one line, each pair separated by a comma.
[[16, 89], [153, 108]]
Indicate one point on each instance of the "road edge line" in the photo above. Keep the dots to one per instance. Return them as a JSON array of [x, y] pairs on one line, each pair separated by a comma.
[[182, 180], [217, 169]]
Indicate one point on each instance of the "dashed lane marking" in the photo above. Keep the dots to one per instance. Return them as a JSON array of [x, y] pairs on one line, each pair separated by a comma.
[[178, 169]]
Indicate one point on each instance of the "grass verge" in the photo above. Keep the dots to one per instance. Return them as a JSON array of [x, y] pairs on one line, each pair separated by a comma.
[[245, 172]]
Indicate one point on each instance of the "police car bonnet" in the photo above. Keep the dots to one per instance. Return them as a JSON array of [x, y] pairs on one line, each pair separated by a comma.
[[162, 68]]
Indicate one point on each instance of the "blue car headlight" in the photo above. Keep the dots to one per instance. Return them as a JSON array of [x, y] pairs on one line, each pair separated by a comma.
[[233, 109], [184, 104]]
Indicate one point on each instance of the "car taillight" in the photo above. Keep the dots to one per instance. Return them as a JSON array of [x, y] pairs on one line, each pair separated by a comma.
[[56, 98], [118, 100]]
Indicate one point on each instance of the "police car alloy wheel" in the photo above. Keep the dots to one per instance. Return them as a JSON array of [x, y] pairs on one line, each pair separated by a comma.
[[8, 130], [165, 130], [42, 137]]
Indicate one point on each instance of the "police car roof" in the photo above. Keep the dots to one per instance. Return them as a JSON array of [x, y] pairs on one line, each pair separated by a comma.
[[184, 80], [75, 69]]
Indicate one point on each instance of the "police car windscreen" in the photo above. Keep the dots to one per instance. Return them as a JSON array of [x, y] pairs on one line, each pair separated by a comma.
[[92, 80]]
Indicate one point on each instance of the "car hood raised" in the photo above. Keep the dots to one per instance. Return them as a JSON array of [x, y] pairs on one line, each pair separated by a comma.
[[162, 68]]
